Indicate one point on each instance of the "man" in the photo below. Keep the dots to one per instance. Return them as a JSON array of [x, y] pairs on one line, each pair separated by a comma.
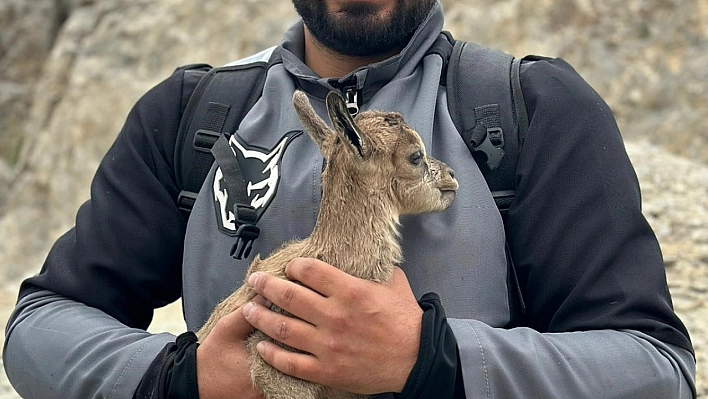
[[598, 319]]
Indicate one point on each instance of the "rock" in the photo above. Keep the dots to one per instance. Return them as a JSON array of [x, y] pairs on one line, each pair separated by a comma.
[[647, 58], [675, 199], [29, 30]]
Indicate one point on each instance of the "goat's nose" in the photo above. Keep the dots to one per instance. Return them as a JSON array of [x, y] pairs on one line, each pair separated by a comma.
[[450, 172]]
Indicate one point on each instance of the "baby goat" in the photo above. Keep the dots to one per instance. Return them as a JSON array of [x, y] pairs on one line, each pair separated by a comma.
[[376, 170]]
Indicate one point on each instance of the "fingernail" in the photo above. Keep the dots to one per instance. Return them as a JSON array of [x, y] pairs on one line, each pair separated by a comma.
[[253, 279], [261, 347], [247, 309]]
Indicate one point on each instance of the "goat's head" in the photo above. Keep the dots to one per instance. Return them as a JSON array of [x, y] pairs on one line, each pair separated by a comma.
[[380, 152]]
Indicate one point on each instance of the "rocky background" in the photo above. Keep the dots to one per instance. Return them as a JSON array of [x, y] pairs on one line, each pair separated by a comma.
[[71, 69]]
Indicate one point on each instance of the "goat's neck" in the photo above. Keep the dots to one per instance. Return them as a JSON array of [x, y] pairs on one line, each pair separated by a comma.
[[357, 229]]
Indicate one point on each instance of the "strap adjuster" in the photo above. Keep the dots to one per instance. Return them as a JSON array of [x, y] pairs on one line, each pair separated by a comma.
[[496, 136], [186, 200], [487, 142], [245, 214], [204, 140]]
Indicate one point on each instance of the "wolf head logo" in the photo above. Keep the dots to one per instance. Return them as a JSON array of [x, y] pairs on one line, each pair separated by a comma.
[[261, 173]]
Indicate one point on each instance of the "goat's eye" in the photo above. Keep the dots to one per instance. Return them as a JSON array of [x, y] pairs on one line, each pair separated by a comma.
[[416, 158]]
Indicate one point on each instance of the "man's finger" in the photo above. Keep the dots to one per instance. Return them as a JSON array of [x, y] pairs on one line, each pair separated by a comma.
[[292, 297], [290, 331], [300, 365], [232, 326], [317, 275]]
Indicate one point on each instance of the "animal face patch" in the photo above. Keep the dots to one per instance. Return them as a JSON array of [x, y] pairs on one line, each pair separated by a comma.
[[261, 172]]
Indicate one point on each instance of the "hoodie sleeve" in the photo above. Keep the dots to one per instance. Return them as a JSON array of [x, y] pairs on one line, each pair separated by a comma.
[[599, 320], [78, 330]]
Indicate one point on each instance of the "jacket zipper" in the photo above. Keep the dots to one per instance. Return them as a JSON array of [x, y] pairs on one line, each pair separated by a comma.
[[351, 98], [350, 91]]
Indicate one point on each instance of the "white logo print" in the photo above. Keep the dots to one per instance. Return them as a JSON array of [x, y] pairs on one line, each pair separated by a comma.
[[261, 172]]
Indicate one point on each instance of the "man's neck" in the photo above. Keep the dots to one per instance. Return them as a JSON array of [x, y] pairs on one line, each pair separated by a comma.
[[330, 64]]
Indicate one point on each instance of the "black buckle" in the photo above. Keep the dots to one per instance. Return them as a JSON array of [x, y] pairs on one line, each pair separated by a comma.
[[496, 136], [489, 142], [204, 140], [186, 200], [246, 233]]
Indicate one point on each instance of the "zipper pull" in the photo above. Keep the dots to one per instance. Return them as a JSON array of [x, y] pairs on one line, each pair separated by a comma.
[[351, 98], [350, 92]]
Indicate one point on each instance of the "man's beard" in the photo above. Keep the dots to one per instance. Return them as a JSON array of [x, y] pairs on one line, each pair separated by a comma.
[[359, 30]]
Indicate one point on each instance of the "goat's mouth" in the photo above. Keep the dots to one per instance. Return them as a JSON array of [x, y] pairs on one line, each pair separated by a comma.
[[447, 196]]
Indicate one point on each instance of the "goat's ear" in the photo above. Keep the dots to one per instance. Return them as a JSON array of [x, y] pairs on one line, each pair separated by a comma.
[[344, 123], [311, 122]]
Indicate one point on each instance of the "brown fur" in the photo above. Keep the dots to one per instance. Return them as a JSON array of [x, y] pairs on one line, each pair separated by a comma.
[[371, 177]]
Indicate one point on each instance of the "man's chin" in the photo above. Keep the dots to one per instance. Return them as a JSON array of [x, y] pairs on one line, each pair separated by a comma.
[[362, 28]]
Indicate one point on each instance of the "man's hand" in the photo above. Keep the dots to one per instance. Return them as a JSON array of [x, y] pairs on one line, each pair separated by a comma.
[[363, 337], [222, 361]]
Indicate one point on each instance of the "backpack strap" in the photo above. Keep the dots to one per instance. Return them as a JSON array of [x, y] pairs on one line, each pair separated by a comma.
[[214, 110], [488, 109], [487, 82]]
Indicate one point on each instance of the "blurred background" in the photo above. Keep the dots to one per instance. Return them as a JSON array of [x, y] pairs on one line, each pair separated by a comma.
[[71, 69]]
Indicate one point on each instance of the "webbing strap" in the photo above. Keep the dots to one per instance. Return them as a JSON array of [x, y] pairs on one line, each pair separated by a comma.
[[202, 158], [245, 214], [230, 169]]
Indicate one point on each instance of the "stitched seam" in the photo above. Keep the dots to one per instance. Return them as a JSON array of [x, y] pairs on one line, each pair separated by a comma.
[[484, 361], [115, 386]]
